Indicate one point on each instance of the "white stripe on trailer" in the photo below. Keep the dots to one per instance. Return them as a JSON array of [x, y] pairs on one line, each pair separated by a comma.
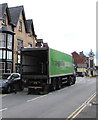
[[61, 75]]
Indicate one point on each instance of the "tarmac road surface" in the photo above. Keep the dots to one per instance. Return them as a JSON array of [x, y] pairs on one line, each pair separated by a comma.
[[58, 104]]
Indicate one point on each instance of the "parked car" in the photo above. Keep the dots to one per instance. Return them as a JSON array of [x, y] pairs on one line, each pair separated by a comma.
[[11, 84]]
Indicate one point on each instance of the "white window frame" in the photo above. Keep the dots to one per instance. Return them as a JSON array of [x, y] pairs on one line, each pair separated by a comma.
[[20, 25], [8, 55], [3, 54], [9, 41], [19, 58]]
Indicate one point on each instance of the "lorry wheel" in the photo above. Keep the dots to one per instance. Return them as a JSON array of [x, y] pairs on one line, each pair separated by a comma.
[[29, 91], [54, 86], [74, 80], [71, 80], [59, 84], [46, 90]]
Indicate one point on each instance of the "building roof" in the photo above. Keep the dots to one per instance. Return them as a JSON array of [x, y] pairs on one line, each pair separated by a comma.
[[29, 26], [4, 29], [14, 14], [2, 9], [79, 59]]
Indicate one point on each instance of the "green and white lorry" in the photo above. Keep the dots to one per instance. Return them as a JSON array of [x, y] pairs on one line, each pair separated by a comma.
[[46, 69]]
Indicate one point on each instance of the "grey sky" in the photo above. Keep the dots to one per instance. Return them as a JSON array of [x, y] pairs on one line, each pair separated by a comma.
[[67, 25]]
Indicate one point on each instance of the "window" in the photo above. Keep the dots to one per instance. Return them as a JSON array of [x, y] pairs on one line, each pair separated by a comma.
[[9, 42], [9, 67], [15, 75], [20, 44], [2, 54], [20, 25], [29, 45], [2, 67], [4, 19], [2, 40], [18, 58], [9, 55]]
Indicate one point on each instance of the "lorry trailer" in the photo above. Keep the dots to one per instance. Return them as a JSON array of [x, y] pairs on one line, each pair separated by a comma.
[[46, 69]]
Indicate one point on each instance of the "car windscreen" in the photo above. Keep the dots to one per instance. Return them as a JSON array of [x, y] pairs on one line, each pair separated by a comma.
[[13, 76]]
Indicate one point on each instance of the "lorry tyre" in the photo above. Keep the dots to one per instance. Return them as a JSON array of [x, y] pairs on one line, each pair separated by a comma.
[[74, 80], [29, 91], [54, 86], [70, 81], [45, 90], [59, 84]]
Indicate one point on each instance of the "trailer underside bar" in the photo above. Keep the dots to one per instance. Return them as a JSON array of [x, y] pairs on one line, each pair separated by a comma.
[[61, 75]]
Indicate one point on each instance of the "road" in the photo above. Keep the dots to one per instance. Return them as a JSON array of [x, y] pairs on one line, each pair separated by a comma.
[[58, 104]]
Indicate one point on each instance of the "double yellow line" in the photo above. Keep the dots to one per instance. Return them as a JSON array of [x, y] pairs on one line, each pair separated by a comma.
[[77, 111]]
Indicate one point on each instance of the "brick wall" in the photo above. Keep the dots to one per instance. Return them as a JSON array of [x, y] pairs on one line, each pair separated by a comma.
[[26, 37], [22, 36]]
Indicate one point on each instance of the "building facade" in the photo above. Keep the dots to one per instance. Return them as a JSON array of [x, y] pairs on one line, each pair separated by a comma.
[[15, 32], [80, 62], [83, 64]]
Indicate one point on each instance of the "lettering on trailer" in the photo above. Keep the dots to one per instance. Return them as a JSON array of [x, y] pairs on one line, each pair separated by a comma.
[[62, 63], [59, 63]]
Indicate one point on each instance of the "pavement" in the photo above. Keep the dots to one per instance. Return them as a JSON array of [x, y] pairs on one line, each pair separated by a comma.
[[90, 111]]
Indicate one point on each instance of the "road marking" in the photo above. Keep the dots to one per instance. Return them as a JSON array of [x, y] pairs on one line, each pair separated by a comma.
[[43, 96], [36, 98], [3, 109], [2, 95], [82, 108], [78, 110]]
